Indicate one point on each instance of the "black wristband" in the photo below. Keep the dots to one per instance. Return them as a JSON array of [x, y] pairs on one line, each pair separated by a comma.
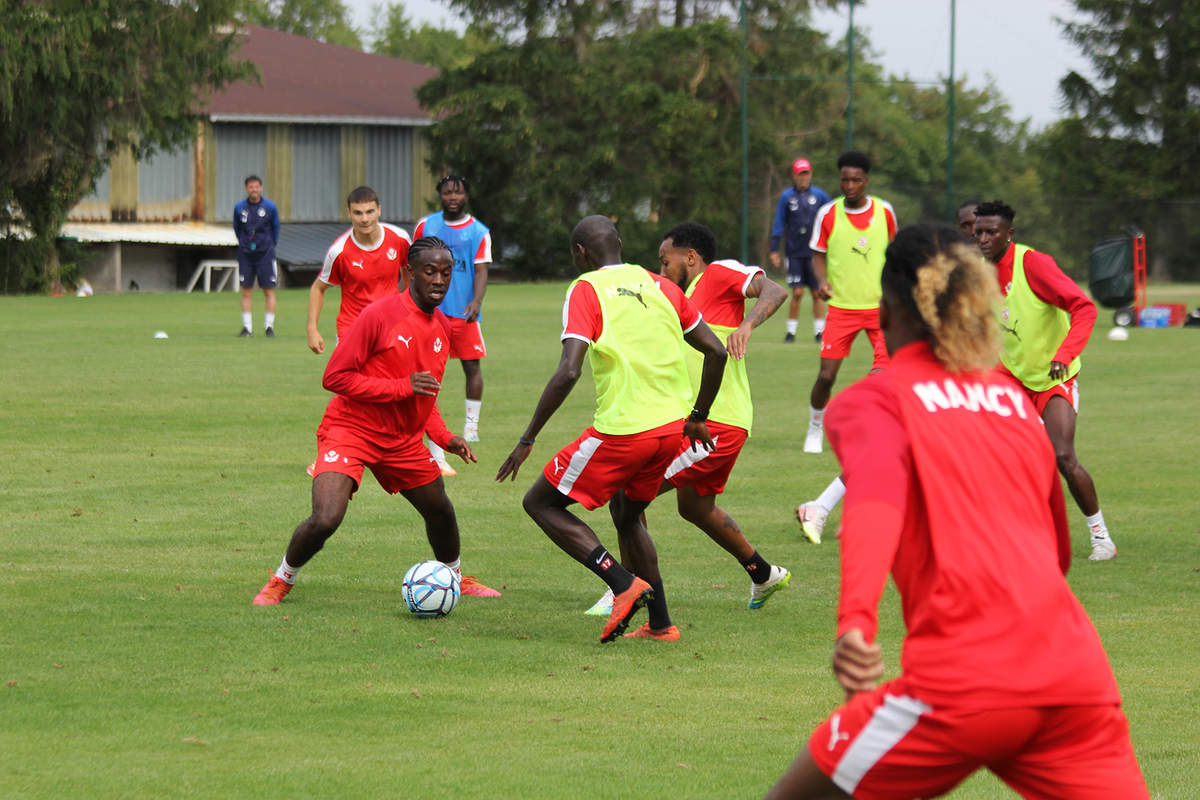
[[524, 441], [697, 415]]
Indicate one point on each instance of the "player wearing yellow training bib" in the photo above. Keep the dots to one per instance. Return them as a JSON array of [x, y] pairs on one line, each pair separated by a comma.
[[849, 239], [633, 326]]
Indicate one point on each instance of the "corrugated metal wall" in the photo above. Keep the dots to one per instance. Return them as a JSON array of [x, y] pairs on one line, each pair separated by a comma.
[[123, 186], [354, 160], [279, 167], [165, 184], [316, 173], [93, 207], [390, 171], [241, 151], [424, 180]]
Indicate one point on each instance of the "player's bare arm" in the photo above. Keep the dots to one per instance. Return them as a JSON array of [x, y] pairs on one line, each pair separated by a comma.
[[316, 300], [476, 304], [770, 297], [857, 663], [570, 367], [824, 290], [703, 339]]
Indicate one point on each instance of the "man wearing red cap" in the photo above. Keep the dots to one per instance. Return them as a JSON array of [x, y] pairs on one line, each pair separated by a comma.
[[794, 223]]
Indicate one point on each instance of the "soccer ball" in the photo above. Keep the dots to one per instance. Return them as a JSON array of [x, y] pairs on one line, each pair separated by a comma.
[[431, 589]]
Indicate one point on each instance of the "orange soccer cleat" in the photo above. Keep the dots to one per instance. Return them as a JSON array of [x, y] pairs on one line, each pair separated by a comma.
[[667, 634], [275, 590], [474, 588], [625, 605]]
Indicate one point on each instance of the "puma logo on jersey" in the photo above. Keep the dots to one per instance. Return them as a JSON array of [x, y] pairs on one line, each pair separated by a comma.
[[623, 292], [405, 339], [557, 467], [835, 735], [358, 264]]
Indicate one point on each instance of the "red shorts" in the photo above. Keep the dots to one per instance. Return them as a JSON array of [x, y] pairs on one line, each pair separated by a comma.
[[1068, 390], [594, 467], [843, 324], [406, 465], [887, 744], [466, 340], [706, 471]]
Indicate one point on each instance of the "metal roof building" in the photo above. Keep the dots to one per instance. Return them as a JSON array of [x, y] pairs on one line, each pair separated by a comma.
[[322, 120]]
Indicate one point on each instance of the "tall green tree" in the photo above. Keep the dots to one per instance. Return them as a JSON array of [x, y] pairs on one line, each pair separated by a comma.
[[1133, 137], [323, 20], [81, 80], [609, 110], [443, 48]]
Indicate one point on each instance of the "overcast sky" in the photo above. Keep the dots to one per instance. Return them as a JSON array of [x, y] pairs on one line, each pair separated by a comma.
[[1017, 42]]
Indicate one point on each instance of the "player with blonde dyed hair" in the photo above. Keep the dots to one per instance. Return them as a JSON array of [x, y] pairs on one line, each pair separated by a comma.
[[1001, 668]]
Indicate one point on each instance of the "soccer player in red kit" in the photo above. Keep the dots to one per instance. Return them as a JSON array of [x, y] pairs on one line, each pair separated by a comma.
[[1001, 667], [385, 374], [687, 257], [633, 325], [366, 262], [1047, 320]]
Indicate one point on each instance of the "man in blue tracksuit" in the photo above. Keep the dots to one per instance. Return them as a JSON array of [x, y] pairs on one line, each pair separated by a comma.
[[256, 224], [794, 217]]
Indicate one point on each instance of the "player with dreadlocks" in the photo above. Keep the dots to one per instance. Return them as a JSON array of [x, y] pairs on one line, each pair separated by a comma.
[[471, 243], [1001, 667]]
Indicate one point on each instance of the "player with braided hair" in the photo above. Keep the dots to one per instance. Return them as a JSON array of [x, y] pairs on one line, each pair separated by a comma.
[[385, 374], [471, 242], [1001, 667]]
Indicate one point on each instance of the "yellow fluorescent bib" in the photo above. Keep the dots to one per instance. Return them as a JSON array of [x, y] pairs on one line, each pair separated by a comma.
[[733, 405], [1033, 331], [854, 258], [637, 363]]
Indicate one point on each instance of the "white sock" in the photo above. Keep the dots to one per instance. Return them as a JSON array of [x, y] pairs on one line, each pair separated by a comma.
[[818, 325], [792, 324], [816, 418], [268, 320], [832, 495], [472, 416], [439, 455], [287, 572], [1096, 525], [455, 565], [247, 320]]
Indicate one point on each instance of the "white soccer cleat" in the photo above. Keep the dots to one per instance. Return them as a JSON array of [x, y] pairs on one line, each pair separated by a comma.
[[1103, 550], [760, 593], [812, 520], [445, 468], [814, 439], [603, 606]]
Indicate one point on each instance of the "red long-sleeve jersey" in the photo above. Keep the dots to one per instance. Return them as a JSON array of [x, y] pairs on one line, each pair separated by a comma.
[[371, 367], [1053, 286], [951, 485]]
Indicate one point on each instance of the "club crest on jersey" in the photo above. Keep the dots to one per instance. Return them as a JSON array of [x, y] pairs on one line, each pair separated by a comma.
[[331, 456], [391, 254], [262, 212], [437, 345]]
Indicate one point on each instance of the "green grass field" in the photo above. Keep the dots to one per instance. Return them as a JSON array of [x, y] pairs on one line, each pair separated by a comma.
[[150, 486]]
